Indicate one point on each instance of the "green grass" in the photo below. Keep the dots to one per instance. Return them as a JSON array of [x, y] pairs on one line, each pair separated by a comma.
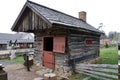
[[108, 56], [17, 60], [76, 76]]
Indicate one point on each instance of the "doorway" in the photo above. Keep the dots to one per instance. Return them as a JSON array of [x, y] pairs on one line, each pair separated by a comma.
[[48, 57]]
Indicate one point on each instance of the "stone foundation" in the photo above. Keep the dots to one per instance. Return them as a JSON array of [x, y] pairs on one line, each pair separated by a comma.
[[60, 71]]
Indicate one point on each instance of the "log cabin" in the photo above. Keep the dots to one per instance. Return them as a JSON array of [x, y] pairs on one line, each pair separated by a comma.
[[60, 39]]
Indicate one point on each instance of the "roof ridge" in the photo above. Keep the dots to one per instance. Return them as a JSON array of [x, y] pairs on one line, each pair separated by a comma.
[[59, 12], [54, 14]]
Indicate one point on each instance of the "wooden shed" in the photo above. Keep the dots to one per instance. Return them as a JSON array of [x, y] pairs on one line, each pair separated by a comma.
[[60, 39]]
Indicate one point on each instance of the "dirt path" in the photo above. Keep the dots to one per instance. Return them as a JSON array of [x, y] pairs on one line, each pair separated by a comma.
[[19, 72]]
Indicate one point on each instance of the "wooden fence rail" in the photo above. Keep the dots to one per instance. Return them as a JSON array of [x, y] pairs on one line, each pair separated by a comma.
[[99, 71]]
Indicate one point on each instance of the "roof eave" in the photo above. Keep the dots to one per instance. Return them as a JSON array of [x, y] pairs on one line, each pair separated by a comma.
[[20, 14], [76, 28]]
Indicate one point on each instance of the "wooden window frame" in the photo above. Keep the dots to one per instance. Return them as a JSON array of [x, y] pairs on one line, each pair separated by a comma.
[[88, 42]]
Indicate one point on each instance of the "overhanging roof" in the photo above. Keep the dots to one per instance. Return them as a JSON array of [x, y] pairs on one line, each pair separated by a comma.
[[52, 16]]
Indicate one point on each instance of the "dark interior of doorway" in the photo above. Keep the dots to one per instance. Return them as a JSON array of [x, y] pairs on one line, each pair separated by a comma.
[[48, 44]]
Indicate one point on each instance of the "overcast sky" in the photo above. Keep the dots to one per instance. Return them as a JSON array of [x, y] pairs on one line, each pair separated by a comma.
[[98, 11]]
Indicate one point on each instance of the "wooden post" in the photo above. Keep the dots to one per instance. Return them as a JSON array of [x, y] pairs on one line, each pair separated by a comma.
[[27, 62]]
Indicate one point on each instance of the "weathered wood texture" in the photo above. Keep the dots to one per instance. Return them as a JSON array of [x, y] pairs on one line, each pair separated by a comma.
[[78, 47], [75, 46], [100, 71], [30, 21], [3, 46], [50, 32]]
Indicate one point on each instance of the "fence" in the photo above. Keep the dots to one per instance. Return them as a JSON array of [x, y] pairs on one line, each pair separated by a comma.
[[6, 53], [99, 71]]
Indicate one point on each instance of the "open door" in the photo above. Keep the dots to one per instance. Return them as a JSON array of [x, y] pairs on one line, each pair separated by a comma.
[[50, 46], [48, 57]]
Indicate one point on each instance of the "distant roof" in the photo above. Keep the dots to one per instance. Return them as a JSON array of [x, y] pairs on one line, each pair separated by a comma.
[[25, 40], [55, 17], [4, 41], [6, 37]]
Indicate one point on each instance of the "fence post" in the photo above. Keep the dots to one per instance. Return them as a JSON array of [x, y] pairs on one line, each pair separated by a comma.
[[26, 63]]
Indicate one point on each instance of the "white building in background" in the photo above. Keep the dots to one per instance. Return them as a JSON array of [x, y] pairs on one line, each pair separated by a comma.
[[20, 40]]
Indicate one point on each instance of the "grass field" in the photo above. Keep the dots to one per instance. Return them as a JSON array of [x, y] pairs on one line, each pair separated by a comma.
[[108, 56]]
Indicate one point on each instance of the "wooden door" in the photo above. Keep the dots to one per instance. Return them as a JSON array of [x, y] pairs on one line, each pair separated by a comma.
[[48, 59], [59, 44]]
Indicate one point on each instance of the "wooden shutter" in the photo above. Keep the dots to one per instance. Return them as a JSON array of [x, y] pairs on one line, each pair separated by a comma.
[[59, 44]]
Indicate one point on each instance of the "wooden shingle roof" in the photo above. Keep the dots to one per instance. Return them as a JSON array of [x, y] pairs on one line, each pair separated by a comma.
[[55, 17]]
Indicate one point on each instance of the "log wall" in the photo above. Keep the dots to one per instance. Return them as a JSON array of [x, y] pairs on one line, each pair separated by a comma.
[[79, 50], [49, 32]]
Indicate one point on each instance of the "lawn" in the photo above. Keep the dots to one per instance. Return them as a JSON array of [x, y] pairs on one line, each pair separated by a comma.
[[108, 56], [17, 59]]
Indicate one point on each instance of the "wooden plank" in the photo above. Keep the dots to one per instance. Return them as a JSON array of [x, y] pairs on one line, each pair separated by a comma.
[[83, 35], [75, 47], [107, 70], [75, 43], [98, 65], [59, 44], [100, 74], [92, 75]]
